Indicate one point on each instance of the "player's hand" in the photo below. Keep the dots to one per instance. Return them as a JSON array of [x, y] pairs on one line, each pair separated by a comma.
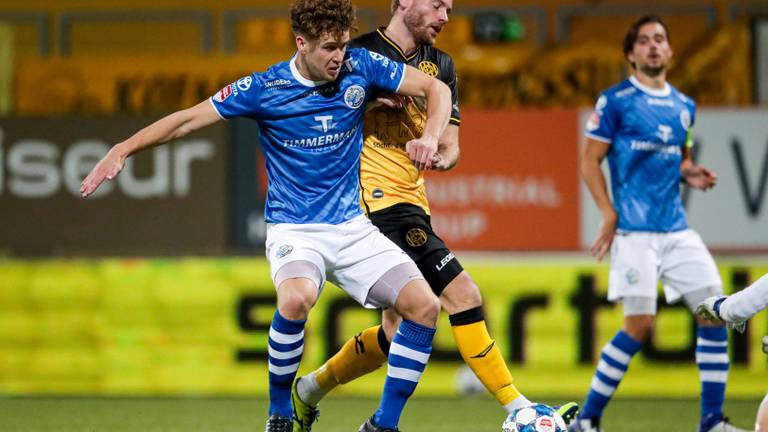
[[421, 151], [605, 234], [699, 177], [439, 163], [107, 169]]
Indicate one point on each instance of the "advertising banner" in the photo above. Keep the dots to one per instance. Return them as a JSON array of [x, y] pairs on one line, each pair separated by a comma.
[[731, 217], [168, 200], [516, 184], [200, 326]]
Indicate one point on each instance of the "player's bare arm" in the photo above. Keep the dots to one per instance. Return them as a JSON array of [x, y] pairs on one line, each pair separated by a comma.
[[168, 128], [438, 95], [696, 176], [593, 154], [447, 155]]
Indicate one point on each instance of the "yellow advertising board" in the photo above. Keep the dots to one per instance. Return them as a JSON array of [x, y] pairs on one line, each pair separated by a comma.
[[199, 326]]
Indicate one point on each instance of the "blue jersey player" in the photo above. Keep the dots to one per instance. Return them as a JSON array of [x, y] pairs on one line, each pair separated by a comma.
[[643, 126], [310, 112]]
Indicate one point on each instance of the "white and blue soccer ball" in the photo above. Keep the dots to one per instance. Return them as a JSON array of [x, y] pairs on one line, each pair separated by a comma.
[[534, 418]]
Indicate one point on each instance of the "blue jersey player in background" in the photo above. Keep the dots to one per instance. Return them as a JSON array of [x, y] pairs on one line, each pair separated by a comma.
[[310, 112], [643, 125]]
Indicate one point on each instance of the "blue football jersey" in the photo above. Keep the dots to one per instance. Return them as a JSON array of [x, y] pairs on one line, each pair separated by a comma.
[[311, 133], [647, 130]]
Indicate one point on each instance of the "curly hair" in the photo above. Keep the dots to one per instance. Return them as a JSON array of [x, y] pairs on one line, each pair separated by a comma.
[[314, 18]]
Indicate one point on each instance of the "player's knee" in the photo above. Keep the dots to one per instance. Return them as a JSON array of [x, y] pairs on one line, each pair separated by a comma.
[[461, 294], [295, 298], [417, 303]]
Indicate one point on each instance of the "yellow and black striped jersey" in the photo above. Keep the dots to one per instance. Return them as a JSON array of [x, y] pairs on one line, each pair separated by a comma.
[[387, 176]]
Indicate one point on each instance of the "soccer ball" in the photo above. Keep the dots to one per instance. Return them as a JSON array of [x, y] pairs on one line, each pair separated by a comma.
[[534, 418]]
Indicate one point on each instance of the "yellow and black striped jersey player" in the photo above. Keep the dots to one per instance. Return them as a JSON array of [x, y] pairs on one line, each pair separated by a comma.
[[394, 196]]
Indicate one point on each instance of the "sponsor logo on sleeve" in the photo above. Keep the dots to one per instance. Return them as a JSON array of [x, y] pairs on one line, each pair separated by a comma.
[[223, 94], [602, 102]]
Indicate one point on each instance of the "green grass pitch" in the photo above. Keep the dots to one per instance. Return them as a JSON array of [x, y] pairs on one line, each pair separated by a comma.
[[340, 414]]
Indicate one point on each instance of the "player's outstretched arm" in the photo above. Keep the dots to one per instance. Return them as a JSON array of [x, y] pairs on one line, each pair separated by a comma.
[[438, 95], [591, 157], [168, 128]]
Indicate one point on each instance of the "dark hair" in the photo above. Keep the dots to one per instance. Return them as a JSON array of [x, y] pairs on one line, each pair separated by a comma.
[[634, 29], [394, 5], [314, 18]]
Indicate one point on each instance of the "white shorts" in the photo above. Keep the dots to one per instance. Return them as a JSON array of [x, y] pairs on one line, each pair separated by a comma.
[[353, 255], [679, 259]]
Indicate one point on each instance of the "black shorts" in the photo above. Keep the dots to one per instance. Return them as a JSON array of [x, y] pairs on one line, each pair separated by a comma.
[[409, 227]]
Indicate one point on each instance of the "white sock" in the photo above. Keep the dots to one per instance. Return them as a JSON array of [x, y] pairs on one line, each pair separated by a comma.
[[309, 390], [517, 403]]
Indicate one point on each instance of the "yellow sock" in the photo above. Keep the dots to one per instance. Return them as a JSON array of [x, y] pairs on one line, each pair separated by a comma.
[[484, 357], [360, 355]]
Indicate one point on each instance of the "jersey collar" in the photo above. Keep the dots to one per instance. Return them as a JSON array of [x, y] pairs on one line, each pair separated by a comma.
[[651, 91], [397, 48], [298, 77]]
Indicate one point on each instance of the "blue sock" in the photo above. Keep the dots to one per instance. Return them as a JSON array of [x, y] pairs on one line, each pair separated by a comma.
[[286, 345], [408, 356], [613, 364], [712, 359]]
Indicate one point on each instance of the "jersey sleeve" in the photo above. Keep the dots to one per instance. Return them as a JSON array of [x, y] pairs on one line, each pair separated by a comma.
[[604, 121], [380, 71], [239, 99], [451, 80]]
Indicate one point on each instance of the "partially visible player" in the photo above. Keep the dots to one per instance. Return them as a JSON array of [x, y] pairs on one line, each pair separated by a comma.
[[734, 310], [310, 111], [394, 196], [643, 126]]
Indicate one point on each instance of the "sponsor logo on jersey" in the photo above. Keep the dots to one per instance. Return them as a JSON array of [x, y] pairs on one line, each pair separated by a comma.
[[660, 102], [244, 83], [223, 94], [377, 193], [284, 250], [416, 237], [685, 119], [665, 133], [379, 58], [320, 141], [326, 123], [626, 92], [277, 83], [354, 96], [655, 147], [429, 68]]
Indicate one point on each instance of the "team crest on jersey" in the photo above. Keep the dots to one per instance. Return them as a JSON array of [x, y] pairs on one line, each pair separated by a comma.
[[429, 68], [685, 119], [223, 94], [416, 237], [244, 83], [354, 96]]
